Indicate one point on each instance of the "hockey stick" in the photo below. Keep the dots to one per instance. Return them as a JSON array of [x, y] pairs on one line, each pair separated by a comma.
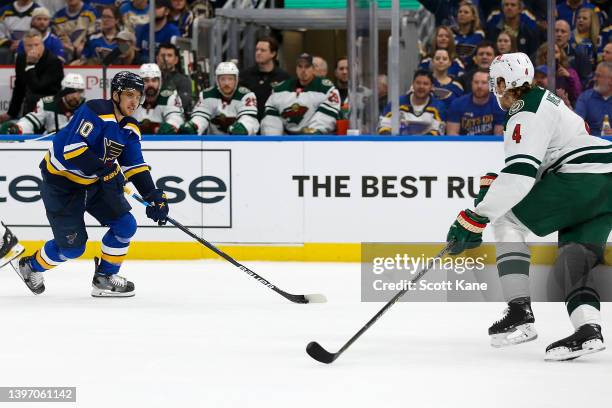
[[313, 298], [316, 351]]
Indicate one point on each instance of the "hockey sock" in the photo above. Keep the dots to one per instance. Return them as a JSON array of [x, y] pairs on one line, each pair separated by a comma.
[[50, 256], [572, 270], [115, 243], [513, 260]]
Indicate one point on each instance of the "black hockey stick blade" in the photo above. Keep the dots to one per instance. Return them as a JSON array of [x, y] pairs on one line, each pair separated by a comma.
[[316, 351]]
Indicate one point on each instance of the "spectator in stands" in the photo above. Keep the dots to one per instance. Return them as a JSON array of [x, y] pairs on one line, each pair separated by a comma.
[[100, 44], [41, 20], [38, 73], [586, 34], [342, 79], [165, 32], [446, 88], [444, 11], [131, 56], [168, 61], [420, 112], [540, 78], [505, 43], [516, 24], [607, 53], [468, 32], [580, 57], [182, 16], [567, 78], [443, 38], [476, 113], [72, 25], [265, 74], [494, 13], [134, 14], [568, 10], [594, 104], [485, 52], [320, 66], [52, 5], [15, 21]]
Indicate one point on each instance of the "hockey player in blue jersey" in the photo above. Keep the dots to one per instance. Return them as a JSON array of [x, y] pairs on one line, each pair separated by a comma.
[[85, 171]]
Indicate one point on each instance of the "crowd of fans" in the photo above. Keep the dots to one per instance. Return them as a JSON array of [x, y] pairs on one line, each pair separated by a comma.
[[468, 36], [449, 93]]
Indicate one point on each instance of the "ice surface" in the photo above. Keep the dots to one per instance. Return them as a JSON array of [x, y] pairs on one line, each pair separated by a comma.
[[204, 334]]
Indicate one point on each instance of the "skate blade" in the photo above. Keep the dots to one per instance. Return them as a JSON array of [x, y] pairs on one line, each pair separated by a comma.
[[521, 334], [36, 291], [563, 353], [95, 292], [15, 251]]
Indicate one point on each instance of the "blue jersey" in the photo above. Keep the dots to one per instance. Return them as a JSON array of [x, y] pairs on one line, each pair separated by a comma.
[[95, 133], [166, 34], [447, 93], [426, 120], [525, 18], [475, 119], [97, 46]]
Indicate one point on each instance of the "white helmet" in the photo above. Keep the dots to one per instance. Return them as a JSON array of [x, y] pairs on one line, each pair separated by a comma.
[[515, 68], [227, 68], [73, 81], [150, 71]]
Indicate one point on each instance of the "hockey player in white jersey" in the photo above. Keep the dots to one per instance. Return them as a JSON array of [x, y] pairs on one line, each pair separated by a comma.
[[52, 113], [10, 248], [556, 178], [162, 111], [303, 105], [226, 108]]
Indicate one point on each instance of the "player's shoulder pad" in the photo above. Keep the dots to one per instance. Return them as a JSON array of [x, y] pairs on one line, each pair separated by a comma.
[[243, 90], [130, 123], [101, 106], [210, 93], [286, 85]]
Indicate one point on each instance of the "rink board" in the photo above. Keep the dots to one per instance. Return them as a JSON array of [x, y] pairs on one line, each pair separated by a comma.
[[281, 198]]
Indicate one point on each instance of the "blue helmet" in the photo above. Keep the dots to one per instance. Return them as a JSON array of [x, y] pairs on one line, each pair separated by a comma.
[[125, 80]]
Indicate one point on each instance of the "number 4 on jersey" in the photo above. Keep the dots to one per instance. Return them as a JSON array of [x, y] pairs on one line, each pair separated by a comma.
[[516, 134]]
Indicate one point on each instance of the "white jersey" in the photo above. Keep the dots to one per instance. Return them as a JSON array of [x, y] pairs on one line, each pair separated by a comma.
[[218, 114], [168, 109], [542, 135], [48, 117], [292, 108]]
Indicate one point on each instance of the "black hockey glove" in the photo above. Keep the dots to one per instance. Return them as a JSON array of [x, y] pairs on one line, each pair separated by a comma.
[[157, 210]]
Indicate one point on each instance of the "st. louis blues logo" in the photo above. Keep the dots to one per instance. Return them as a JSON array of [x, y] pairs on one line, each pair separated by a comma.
[[112, 149]]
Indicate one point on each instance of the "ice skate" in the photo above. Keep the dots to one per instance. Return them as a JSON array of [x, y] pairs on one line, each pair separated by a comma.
[[10, 248], [110, 285], [516, 327], [35, 281], [586, 340]]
